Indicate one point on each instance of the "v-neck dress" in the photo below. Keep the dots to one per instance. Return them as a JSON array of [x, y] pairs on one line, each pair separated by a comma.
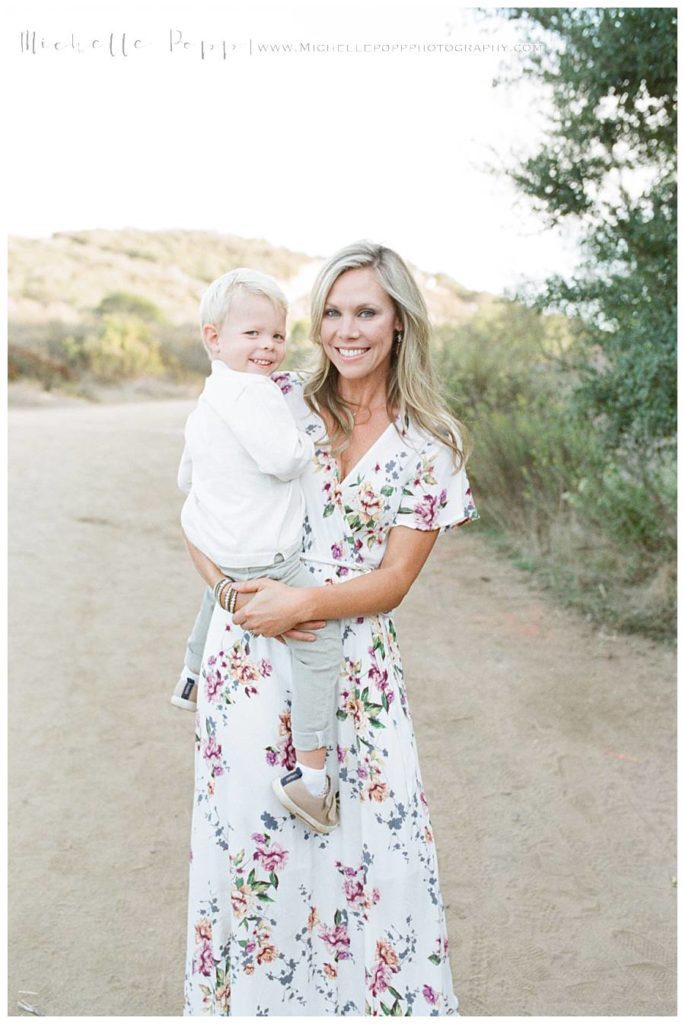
[[282, 920]]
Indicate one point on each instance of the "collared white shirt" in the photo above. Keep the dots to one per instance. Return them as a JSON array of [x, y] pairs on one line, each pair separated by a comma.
[[243, 454]]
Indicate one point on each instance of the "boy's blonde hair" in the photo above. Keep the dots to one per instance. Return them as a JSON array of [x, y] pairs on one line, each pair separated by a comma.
[[215, 304]]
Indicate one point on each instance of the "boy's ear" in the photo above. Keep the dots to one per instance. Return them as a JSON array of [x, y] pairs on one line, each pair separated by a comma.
[[210, 335]]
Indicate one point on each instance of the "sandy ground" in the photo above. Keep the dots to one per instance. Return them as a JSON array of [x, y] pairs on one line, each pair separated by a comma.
[[547, 749]]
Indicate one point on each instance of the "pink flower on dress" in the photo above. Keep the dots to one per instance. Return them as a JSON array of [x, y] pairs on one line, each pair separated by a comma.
[[380, 978], [212, 753], [378, 791], [378, 677], [265, 668], [213, 684], [283, 381], [425, 510], [336, 551], [203, 929], [430, 995], [286, 748], [204, 960], [354, 893], [337, 940], [271, 857], [242, 669]]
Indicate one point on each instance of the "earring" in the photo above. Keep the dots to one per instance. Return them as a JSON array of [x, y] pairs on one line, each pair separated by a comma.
[[397, 337]]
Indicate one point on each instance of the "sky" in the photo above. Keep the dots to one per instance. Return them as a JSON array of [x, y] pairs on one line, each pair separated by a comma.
[[188, 116]]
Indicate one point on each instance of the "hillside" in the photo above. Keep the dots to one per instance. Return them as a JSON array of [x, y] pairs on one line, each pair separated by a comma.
[[65, 277]]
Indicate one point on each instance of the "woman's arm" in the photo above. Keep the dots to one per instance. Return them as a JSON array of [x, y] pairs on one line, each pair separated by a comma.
[[275, 608], [211, 574]]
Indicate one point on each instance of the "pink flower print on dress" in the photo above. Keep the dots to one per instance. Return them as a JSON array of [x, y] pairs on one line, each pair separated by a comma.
[[204, 960], [425, 510], [212, 753], [380, 978], [337, 940], [283, 382], [272, 857], [284, 755], [213, 683], [430, 995]]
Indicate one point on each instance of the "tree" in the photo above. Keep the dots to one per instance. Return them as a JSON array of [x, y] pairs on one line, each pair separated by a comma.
[[609, 164]]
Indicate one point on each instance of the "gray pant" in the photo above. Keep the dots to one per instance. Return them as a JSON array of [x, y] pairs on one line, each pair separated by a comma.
[[317, 665]]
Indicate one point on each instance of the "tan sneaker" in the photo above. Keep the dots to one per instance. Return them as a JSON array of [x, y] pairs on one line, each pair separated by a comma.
[[318, 812], [185, 694]]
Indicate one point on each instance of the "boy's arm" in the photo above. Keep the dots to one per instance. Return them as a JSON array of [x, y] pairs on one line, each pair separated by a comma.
[[185, 472], [262, 422]]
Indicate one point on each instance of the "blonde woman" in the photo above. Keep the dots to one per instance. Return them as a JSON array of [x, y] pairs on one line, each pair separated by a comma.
[[282, 920]]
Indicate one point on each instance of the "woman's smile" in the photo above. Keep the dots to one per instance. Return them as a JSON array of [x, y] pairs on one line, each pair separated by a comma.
[[352, 353]]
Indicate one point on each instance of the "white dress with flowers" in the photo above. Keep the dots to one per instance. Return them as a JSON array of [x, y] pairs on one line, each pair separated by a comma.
[[283, 920]]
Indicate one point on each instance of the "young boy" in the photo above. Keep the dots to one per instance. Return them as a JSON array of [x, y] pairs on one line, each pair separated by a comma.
[[245, 508]]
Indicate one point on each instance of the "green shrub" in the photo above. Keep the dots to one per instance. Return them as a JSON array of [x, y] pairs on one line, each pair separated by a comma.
[[596, 525], [123, 347], [128, 304]]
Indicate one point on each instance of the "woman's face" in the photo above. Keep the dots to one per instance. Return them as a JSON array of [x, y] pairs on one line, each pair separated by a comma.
[[358, 324]]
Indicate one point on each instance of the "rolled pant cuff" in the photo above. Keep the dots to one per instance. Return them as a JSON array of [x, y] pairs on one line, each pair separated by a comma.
[[312, 740]]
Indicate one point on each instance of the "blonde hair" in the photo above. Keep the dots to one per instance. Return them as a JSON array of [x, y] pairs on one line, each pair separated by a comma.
[[412, 388], [216, 301]]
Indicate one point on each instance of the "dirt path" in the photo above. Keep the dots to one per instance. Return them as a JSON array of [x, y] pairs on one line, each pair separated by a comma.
[[548, 751]]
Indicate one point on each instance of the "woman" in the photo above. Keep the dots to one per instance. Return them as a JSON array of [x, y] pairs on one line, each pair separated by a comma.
[[283, 920]]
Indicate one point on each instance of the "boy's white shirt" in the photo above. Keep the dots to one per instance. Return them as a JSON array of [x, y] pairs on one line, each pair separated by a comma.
[[240, 466]]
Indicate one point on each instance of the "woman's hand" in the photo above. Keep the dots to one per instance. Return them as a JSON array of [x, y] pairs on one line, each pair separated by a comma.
[[273, 609]]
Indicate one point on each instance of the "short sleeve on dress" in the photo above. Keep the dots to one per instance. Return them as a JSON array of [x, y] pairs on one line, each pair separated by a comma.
[[435, 496]]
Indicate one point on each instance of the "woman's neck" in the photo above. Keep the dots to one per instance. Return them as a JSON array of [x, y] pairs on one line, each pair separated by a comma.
[[365, 394]]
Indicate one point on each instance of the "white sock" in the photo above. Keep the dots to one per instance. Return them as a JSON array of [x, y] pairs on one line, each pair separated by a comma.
[[313, 778]]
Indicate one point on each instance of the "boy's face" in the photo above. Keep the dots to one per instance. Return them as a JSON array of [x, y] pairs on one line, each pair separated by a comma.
[[251, 338]]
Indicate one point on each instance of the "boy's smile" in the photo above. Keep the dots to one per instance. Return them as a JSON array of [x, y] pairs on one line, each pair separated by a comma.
[[251, 338]]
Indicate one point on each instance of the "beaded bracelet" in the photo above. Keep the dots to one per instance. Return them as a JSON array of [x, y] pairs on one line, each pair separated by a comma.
[[220, 590], [232, 598]]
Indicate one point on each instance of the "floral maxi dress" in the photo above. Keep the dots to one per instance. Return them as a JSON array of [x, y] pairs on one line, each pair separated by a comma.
[[283, 920]]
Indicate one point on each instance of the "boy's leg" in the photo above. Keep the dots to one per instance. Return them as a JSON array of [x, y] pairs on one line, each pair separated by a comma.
[[198, 635], [185, 693], [315, 683]]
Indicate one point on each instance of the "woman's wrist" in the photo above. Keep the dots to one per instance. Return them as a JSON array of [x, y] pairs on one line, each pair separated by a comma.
[[306, 597]]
